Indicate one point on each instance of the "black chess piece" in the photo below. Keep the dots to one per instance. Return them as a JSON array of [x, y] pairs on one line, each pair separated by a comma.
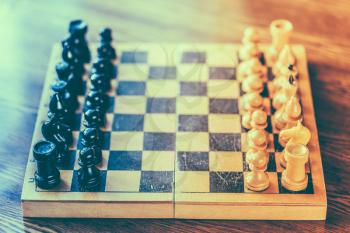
[[91, 137], [104, 66], [93, 118], [88, 174], [58, 109], [62, 152], [105, 49], [63, 70], [47, 175], [55, 131], [61, 88], [71, 74], [99, 82], [96, 100], [78, 30]]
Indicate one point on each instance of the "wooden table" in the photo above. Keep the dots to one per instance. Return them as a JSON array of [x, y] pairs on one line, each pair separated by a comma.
[[28, 31]]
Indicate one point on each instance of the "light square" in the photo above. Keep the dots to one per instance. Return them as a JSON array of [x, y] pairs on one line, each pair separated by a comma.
[[132, 72], [158, 160], [109, 122], [127, 141], [188, 141], [123, 181], [273, 187], [130, 104], [194, 72], [192, 105], [223, 89], [222, 55], [160, 122], [75, 140], [224, 123], [192, 181], [226, 161], [162, 88]]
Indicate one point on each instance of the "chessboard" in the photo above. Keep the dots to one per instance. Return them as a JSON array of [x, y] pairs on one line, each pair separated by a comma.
[[174, 146]]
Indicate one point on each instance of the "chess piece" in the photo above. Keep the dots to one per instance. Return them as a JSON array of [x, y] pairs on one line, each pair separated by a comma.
[[47, 175], [62, 152], [285, 59], [251, 66], [63, 70], [255, 120], [280, 30], [297, 134], [91, 138], [251, 102], [59, 110], [257, 179], [248, 51], [78, 30], [61, 88], [250, 36], [104, 66], [289, 115], [253, 83], [56, 131], [257, 139], [294, 177], [96, 100], [93, 119], [88, 174], [105, 49], [287, 91], [100, 83]]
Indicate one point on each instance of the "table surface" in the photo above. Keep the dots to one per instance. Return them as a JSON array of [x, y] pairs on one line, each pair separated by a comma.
[[29, 30]]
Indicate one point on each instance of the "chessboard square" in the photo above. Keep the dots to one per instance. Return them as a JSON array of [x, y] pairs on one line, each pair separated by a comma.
[[224, 123], [158, 160], [76, 122], [109, 122], [192, 181], [271, 166], [162, 72], [277, 146], [111, 101], [225, 142], [190, 141], [75, 186], [224, 106], [192, 161], [132, 72], [160, 123], [222, 73], [133, 57], [223, 89], [131, 141], [76, 135], [193, 88], [192, 105], [193, 57], [273, 186], [157, 181], [222, 55], [131, 88], [69, 163], [226, 182], [162, 88], [278, 157], [125, 160], [128, 122], [130, 104], [269, 125], [192, 73], [159, 141], [225, 161], [104, 163], [161, 105], [106, 140], [265, 92], [193, 123], [123, 181], [267, 106]]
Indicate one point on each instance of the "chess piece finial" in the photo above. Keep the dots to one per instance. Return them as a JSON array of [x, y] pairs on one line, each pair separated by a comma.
[[294, 177]]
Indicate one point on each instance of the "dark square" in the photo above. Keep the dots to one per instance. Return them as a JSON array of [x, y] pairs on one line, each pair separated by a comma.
[[75, 187], [245, 164], [125, 160], [133, 57], [193, 88], [159, 141], [131, 88], [157, 181], [222, 73], [270, 75], [70, 161], [161, 105], [105, 140], [223, 106], [269, 124], [110, 108], [265, 92], [162, 72], [128, 122], [225, 142], [193, 57], [193, 123], [309, 189], [226, 182], [193, 161], [76, 122], [277, 145], [82, 91]]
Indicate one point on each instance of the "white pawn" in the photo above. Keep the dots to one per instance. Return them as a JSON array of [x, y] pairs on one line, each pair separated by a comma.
[[253, 83], [256, 120], [251, 102], [257, 179], [257, 139], [251, 66], [250, 42]]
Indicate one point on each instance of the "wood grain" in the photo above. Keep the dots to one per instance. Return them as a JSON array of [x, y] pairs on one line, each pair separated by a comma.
[[28, 30]]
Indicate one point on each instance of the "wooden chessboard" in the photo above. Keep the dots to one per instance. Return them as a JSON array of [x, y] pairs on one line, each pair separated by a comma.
[[173, 143]]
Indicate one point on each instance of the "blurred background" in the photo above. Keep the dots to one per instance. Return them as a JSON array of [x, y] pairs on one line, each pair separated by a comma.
[[28, 30]]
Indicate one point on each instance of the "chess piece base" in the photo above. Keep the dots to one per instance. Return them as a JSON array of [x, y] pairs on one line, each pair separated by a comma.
[[258, 182], [294, 186]]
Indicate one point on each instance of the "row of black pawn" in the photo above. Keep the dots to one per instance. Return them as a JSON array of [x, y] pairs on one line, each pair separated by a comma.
[[57, 130]]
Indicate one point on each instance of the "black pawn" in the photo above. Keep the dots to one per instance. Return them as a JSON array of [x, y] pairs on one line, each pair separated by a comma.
[[61, 88], [99, 82], [88, 174], [105, 49], [55, 131], [47, 175], [93, 119], [63, 70], [58, 109], [104, 66], [96, 100], [78, 30], [62, 152], [91, 137]]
